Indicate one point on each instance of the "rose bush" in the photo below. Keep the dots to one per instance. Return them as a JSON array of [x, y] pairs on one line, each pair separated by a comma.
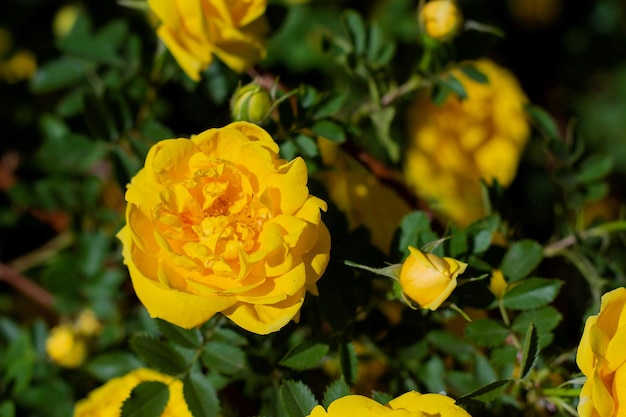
[[602, 358], [107, 400], [428, 279], [220, 223], [453, 146], [411, 404], [194, 30]]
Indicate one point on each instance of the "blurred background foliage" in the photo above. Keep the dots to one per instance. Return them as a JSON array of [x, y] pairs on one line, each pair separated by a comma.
[[81, 103]]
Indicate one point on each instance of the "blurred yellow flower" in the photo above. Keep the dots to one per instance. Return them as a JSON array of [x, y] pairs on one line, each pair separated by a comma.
[[19, 66], [440, 19], [194, 30], [64, 20], [428, 279], [220, 223], [107, 400], [364, 199], [602, 358], [87, 324], [453, 146], [410, 404], [65, 347]]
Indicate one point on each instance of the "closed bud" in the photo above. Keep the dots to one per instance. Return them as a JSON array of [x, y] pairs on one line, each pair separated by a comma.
[[428, 279], [250, 103], [440, 20], [87, 324]]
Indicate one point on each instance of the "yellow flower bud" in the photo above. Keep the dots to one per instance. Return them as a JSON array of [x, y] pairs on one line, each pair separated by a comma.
[[428, 279], [440, 19], [87, 324], [497, 283], [64, 347], [250, 103]]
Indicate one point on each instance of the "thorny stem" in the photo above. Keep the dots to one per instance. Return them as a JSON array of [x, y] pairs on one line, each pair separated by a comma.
[[557, 247]]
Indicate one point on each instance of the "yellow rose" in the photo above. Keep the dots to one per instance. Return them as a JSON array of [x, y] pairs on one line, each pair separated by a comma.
[[428, 279], [440, 19], [602, 358], [194, 30], [497, 283], [64, 347], [360, 195], [219, 223], [453, 146], [411, 404], [107, 400]]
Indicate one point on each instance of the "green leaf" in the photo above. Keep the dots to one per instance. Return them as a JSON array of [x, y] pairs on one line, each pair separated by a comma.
[[487, 393], [228, 336], [336, 390], [381, 397], [450, 344], [349, 362], [297, 398], [411, 227], [305, 356], [158, 354], [329, 105], [594, 168], [521, 258], [200, 396], [545, 319], [329, 130], [472, 72], [453, 84], [148, 399], [60, 73], [189, 338], [356, 29], [112, 364], [7, 409], [543, 121], [530, 351], [486, 332], [307, 145], [224, 358], [531, 293]]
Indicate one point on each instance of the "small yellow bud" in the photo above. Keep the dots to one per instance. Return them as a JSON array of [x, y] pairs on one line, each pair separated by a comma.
[[428, 279], [87, 324], [440, 20], [497, 285], [250, 103], [64, 347]]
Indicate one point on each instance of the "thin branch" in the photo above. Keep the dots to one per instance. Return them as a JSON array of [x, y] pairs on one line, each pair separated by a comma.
[[26, 286]]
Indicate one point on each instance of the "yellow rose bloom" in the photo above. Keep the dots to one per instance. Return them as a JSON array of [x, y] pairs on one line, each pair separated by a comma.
[[602, 358], [64, 347], [194, 30], [453, 146], [411, 404], [107, 400], [364, 199], [440, 19], [219, 223], [428, 279]]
